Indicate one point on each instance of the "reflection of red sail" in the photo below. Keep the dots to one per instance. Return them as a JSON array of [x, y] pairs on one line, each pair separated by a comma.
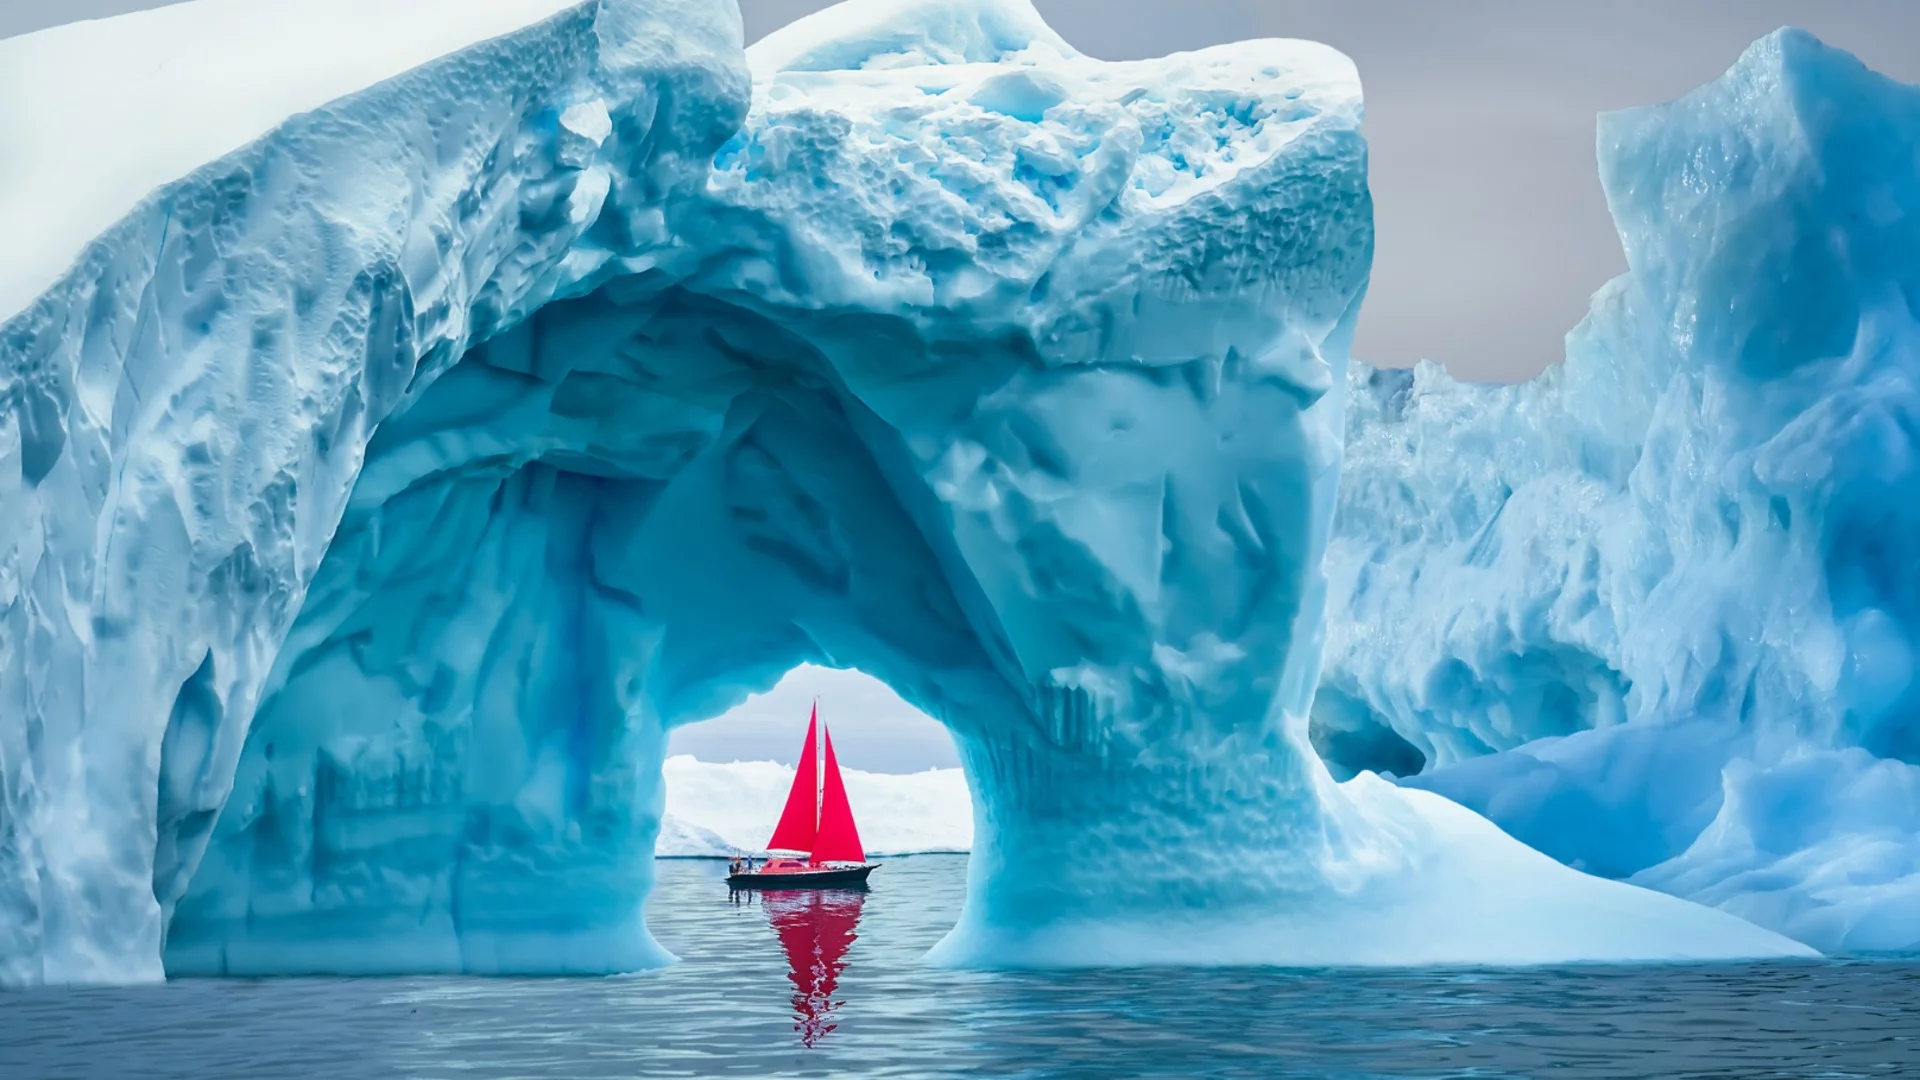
[[799, 819], [838, 840], [815, 927]]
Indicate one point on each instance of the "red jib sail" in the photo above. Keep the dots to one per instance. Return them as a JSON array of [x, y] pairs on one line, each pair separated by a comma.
[[800, 819], [837, 840]]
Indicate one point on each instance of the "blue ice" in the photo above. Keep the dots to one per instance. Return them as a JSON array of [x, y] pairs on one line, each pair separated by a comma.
[[1655, 611], [378, 496]]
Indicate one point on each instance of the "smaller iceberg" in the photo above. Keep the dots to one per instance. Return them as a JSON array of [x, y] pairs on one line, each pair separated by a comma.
[[684, 840], [1657, 612]]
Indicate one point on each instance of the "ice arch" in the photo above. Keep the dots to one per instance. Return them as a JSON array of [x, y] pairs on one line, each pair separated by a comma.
[[611, 520], [398, 479]]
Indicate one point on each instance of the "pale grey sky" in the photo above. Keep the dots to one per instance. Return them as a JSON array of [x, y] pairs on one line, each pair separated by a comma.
[[1492, 231], [873, 730]]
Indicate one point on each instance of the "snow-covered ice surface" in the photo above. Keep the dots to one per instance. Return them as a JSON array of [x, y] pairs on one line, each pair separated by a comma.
[[374, 498], [1419, 880], [95, 115], [716, 808], [1656, 612], [189, 406], [682, 839]]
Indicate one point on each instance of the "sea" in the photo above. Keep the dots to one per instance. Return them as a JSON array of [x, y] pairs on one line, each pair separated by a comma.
[[833, 985]]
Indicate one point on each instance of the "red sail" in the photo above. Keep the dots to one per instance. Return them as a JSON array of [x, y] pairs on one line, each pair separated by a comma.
[[800, 819], [838, 840]]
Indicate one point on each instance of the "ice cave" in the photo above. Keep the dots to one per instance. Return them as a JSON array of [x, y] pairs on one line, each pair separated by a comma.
[[378, 491]]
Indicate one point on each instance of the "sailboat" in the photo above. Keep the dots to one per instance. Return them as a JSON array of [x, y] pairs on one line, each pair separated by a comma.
[[815, 845]]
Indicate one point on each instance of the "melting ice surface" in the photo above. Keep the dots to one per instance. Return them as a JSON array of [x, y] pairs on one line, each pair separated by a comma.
[[1656, 612], [376, 496]]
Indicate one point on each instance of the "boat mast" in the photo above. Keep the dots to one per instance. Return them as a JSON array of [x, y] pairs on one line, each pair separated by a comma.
[[819, 772]]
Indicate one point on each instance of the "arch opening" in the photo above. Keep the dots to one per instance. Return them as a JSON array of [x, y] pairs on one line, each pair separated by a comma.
[[727, 777], [880, 731]]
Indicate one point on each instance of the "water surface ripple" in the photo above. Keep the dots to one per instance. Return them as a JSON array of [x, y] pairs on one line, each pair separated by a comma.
[[828, 987]]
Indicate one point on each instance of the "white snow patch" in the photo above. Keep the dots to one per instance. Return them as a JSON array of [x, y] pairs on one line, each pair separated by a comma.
[[715, 809], [1423, 881], [96, 114]]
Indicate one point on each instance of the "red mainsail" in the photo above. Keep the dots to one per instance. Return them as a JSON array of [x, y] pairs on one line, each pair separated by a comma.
[[800, 820], [836, 840]]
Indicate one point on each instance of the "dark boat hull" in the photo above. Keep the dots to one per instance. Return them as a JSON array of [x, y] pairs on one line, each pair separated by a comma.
[[838, 877]]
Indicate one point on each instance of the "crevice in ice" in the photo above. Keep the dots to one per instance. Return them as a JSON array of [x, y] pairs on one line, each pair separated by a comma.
[[185, 815], [1351, 738]]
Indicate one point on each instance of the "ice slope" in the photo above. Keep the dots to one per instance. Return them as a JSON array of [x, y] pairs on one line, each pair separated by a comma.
[[96, 114], [1418, 880], [731, 807], [374, 498], [680, 839], [188, 408], [1656, 611], [1438, 914]]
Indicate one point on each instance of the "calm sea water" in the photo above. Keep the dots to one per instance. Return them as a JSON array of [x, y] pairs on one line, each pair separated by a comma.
[[832, 986]]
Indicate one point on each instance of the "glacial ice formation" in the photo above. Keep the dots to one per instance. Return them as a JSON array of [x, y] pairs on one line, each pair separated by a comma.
[[374, 498], [121, 106], [1656, 612], [190, 405], [720, 809]]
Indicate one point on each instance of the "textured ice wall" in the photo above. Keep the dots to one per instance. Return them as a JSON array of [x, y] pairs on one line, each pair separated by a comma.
[[990, 369], [97, 113], [382, 493], [187, 409], [1656, 611], [997, 379]]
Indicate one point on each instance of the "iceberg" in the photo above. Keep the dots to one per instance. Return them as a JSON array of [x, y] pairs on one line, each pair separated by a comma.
[[681, 839], [376, 495], [1655, 612]]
